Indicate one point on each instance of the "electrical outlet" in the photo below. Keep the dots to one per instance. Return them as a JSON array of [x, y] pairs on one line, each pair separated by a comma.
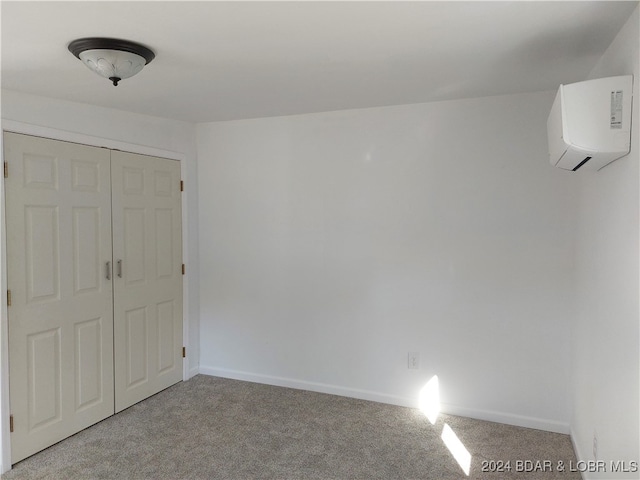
[[595, 446], [414, 361]]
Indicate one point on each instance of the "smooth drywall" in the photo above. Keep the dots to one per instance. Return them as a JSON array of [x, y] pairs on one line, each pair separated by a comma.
[[126, 131], [606, 331], [333, 244]]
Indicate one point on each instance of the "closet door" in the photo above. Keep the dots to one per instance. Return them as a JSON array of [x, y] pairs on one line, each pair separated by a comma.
[[147, 254], [58, 217]]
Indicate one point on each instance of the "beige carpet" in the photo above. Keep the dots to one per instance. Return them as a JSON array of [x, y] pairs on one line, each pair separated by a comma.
[[214, 428]]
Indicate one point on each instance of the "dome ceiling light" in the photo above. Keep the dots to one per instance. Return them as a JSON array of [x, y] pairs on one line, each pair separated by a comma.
[[111, 58]]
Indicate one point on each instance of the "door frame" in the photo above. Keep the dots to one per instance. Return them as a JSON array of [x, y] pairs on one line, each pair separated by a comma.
[[54, 134]]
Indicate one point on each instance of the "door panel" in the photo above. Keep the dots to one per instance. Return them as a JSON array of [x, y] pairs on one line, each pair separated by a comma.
[[42, 253], [136, 347], [134, 255], [89, 367], [58, 216], [146, 208], [86, 248], [45, 375]]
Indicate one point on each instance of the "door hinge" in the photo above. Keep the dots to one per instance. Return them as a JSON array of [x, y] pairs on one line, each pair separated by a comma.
[[182, 185], [184, 269], [184, 352], [11, 423], [6, 170], [8, 298]]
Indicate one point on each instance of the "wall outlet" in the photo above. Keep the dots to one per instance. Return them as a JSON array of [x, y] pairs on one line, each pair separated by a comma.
[[414, 361], [595, 446]]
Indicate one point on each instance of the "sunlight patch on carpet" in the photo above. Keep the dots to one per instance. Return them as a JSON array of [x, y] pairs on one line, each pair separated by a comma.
[[457, 449]]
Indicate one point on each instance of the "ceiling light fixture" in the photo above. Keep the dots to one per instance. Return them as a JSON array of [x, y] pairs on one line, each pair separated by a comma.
[[111, 58]]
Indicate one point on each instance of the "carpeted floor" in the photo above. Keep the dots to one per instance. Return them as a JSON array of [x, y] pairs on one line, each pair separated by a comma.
[[213, 428]]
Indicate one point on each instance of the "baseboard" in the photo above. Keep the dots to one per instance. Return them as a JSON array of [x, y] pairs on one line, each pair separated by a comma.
[[305, 385], [508, 418], [580, 457], [193, 371], [488, 415]]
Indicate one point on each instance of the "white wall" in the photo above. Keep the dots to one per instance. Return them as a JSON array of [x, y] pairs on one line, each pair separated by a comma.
[[606, 330], [113, 129], [333, 244]]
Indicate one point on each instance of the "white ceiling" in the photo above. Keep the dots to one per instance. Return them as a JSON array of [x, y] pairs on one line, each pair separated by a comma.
[[230, 60]]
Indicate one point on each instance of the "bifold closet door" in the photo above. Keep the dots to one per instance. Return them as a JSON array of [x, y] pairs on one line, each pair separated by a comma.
[[58, 217], [147, 255]]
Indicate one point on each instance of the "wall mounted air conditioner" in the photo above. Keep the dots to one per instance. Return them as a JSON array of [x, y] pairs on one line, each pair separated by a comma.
[[590, 123]]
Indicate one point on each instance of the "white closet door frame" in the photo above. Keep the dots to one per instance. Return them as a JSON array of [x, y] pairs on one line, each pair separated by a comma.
[[55, 134]]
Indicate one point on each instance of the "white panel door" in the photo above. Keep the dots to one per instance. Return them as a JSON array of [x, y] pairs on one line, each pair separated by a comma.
[[147, 254], [58, 215]]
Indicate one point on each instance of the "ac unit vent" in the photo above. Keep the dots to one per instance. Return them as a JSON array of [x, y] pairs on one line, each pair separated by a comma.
[[581, 164]]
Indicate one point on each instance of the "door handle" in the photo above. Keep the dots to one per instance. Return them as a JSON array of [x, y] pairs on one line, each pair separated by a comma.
[[119, 268], [108, 268]]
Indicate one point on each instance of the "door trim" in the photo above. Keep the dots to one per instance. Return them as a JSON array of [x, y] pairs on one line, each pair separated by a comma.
[[54, 134]]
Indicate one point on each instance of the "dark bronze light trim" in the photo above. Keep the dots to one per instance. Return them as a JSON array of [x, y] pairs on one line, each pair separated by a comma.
[[92, 43]]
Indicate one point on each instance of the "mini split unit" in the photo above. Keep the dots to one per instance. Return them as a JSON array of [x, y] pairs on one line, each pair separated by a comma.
[[590, 123]]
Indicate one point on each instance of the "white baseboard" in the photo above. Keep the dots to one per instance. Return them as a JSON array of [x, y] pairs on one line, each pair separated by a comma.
[[193, 371], [491, 416], [508, 418], [305, 385], [580, 457]]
